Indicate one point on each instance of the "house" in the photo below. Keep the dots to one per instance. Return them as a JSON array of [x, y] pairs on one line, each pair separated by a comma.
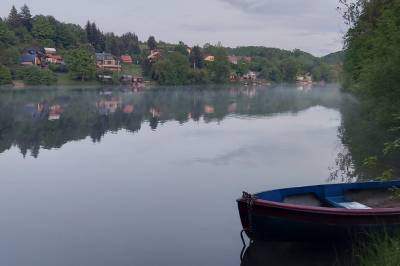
[[31, 57], [154, 56], [49, 51], [233, 77], [250, 76], [52, 57], [233, 59], [106, 61], [236, 59], [209, 58], [127, 59], [307, 78]]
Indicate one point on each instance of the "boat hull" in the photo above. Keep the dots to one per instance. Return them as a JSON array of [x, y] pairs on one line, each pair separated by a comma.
[[263, 220]]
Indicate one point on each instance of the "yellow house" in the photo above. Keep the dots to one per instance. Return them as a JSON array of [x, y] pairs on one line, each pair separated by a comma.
[[209, 58]]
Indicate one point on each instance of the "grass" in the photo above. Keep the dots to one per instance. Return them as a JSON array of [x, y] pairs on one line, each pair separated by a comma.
[[132, 69], [65, 80], [378, 250]]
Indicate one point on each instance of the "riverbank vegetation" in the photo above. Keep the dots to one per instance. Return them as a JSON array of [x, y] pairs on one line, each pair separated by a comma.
[[165, 63], [371, 72]]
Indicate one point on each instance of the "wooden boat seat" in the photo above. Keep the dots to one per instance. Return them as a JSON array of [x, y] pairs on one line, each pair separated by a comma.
[[341, 202]]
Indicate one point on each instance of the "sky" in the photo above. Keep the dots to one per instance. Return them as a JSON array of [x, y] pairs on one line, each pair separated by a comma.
[[310, 25]]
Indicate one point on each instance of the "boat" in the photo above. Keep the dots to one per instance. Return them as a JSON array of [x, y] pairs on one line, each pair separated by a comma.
[[323, 212]]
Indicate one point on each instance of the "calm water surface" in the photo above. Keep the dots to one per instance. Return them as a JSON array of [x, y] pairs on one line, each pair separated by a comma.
[[151, 178]]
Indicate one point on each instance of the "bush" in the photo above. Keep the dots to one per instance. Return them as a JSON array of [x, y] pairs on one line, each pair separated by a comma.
[[58, 68], [198, 76], [378, 250], [33, 75], [5, 75]]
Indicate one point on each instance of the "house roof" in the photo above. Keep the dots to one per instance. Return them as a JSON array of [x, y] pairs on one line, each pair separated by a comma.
[[50, 50], [126, 58], [104, 56], [27, 58]]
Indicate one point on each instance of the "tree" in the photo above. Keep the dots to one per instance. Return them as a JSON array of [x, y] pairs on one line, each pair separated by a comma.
[[219, 70], [95, 37], [7, 37], [173, 69], [42, 29], [152, 43], [196, 57], [81, 63], [5, 75], [14, 19], [130, 43], [112, 44], [26, 17]]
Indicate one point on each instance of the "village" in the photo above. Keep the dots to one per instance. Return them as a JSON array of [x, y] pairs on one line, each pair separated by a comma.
[[51, 52], [108, 66]]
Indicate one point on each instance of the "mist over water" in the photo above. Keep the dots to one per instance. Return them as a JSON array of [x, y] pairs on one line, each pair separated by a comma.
[[97, 177]]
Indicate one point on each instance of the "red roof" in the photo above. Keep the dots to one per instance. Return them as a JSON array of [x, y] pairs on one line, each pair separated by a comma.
[[126, 59]]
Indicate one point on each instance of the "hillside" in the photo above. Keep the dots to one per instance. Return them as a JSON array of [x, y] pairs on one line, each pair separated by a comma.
[[335, 58]]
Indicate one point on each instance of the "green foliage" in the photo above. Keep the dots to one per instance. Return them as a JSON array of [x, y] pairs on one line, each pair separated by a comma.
[[81, 63], [26, 17], [198, 76], [152, 43], [173, 69], [58, 68], [7, 37], [336, 58], [196, 57], [42, 29], [378, 250], [219, 70], [5, 75], [33, 75], [280, 65], [9, 56], [14, 19]]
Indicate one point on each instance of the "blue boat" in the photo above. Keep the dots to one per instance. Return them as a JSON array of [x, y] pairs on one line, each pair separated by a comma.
[[323, 212]]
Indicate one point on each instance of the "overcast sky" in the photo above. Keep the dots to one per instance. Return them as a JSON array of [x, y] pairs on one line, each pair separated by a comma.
[[311, 25]]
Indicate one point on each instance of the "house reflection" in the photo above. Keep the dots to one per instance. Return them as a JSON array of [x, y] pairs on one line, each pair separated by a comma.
[[55, 112], [109, 106], [24, 117]]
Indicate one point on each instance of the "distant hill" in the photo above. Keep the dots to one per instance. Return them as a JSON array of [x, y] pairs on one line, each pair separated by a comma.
[[334, 58]]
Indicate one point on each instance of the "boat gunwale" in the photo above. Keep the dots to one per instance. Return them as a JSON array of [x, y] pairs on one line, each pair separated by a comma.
[[324, 210], [330, 210]]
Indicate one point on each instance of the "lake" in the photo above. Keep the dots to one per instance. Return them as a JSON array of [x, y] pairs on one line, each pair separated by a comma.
[[114, 177]]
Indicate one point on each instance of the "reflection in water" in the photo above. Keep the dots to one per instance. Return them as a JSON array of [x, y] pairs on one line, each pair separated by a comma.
[[150, 178], [46, 119], [299, 254]]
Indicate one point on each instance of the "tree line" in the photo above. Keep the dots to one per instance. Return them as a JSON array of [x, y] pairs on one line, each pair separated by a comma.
[[176, 66], [372, 73]]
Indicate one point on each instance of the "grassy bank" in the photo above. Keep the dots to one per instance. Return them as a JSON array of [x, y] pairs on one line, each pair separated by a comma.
[[378, 250], [65, 80]]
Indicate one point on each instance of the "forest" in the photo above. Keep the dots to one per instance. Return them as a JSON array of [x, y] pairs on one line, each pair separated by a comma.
[[372, 74], [177, 66]]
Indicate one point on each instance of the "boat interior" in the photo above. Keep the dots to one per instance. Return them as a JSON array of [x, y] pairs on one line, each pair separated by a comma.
[[361, 196]]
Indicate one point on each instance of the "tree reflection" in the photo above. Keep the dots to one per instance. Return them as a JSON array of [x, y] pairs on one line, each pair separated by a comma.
[[286, 253], [363, 157], [45, 119]]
